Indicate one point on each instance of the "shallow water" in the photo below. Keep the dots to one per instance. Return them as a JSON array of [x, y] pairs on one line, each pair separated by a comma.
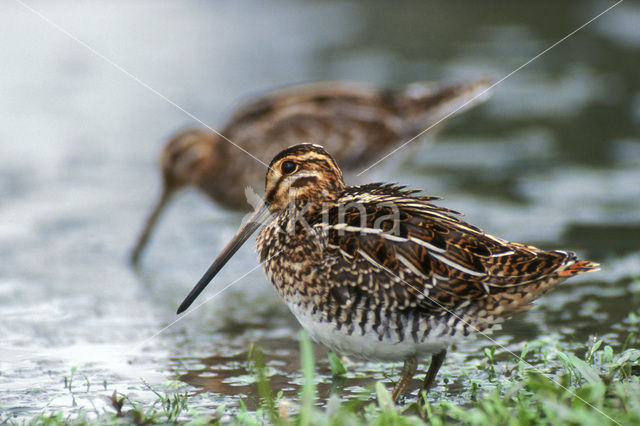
[[553, 159]]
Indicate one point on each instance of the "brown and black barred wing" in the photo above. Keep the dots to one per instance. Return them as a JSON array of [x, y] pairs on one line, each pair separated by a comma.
[[308, 97], [349, 120], [498, 276], [434, 260]]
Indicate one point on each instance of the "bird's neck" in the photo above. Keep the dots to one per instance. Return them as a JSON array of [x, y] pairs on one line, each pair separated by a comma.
[[303, 213]]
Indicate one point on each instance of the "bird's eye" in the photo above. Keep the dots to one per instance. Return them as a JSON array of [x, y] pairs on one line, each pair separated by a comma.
[[288, 167]]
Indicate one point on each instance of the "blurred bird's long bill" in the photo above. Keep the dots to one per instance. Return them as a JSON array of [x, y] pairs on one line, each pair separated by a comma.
[[253, 223]]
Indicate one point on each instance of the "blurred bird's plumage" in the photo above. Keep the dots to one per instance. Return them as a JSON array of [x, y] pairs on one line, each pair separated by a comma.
[[358, 123]]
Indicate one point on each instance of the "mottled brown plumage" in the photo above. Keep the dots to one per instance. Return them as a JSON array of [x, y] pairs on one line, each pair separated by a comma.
[[378, 272], [358, 123]]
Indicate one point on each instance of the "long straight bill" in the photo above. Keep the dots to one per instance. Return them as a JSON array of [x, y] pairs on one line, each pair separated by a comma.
[[254, 222], [143, 239]]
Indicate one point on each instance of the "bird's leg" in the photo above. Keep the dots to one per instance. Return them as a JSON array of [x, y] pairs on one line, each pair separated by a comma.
[[436, 363], [408, 370]]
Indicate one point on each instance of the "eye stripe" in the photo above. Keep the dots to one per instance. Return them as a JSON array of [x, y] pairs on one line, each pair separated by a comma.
[[272, 193], [305, 180]]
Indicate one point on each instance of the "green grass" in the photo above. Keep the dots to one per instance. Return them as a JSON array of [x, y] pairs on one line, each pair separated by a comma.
[[600, 388], [603, 388]]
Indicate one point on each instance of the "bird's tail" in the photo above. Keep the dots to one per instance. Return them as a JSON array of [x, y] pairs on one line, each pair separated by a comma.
[[427, 105], [579, 267]]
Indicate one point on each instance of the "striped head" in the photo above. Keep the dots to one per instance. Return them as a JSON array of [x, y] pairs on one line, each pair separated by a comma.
[[304, 174], [193, 157], [189, 157]]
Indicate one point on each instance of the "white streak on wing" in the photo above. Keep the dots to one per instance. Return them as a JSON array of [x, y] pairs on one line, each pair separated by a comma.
[[374, 231], [345, 254], [428, 246], [458, 266], [395, 238], [414, 205], [365, 230], [369, 259], [506, 253], [411, 267], [434, 251]]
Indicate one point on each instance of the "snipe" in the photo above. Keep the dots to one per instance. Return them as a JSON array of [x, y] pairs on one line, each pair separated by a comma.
[[357, 123], [378, 272]]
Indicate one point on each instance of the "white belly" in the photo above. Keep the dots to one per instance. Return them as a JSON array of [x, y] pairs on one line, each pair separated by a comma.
[[368, 346]]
